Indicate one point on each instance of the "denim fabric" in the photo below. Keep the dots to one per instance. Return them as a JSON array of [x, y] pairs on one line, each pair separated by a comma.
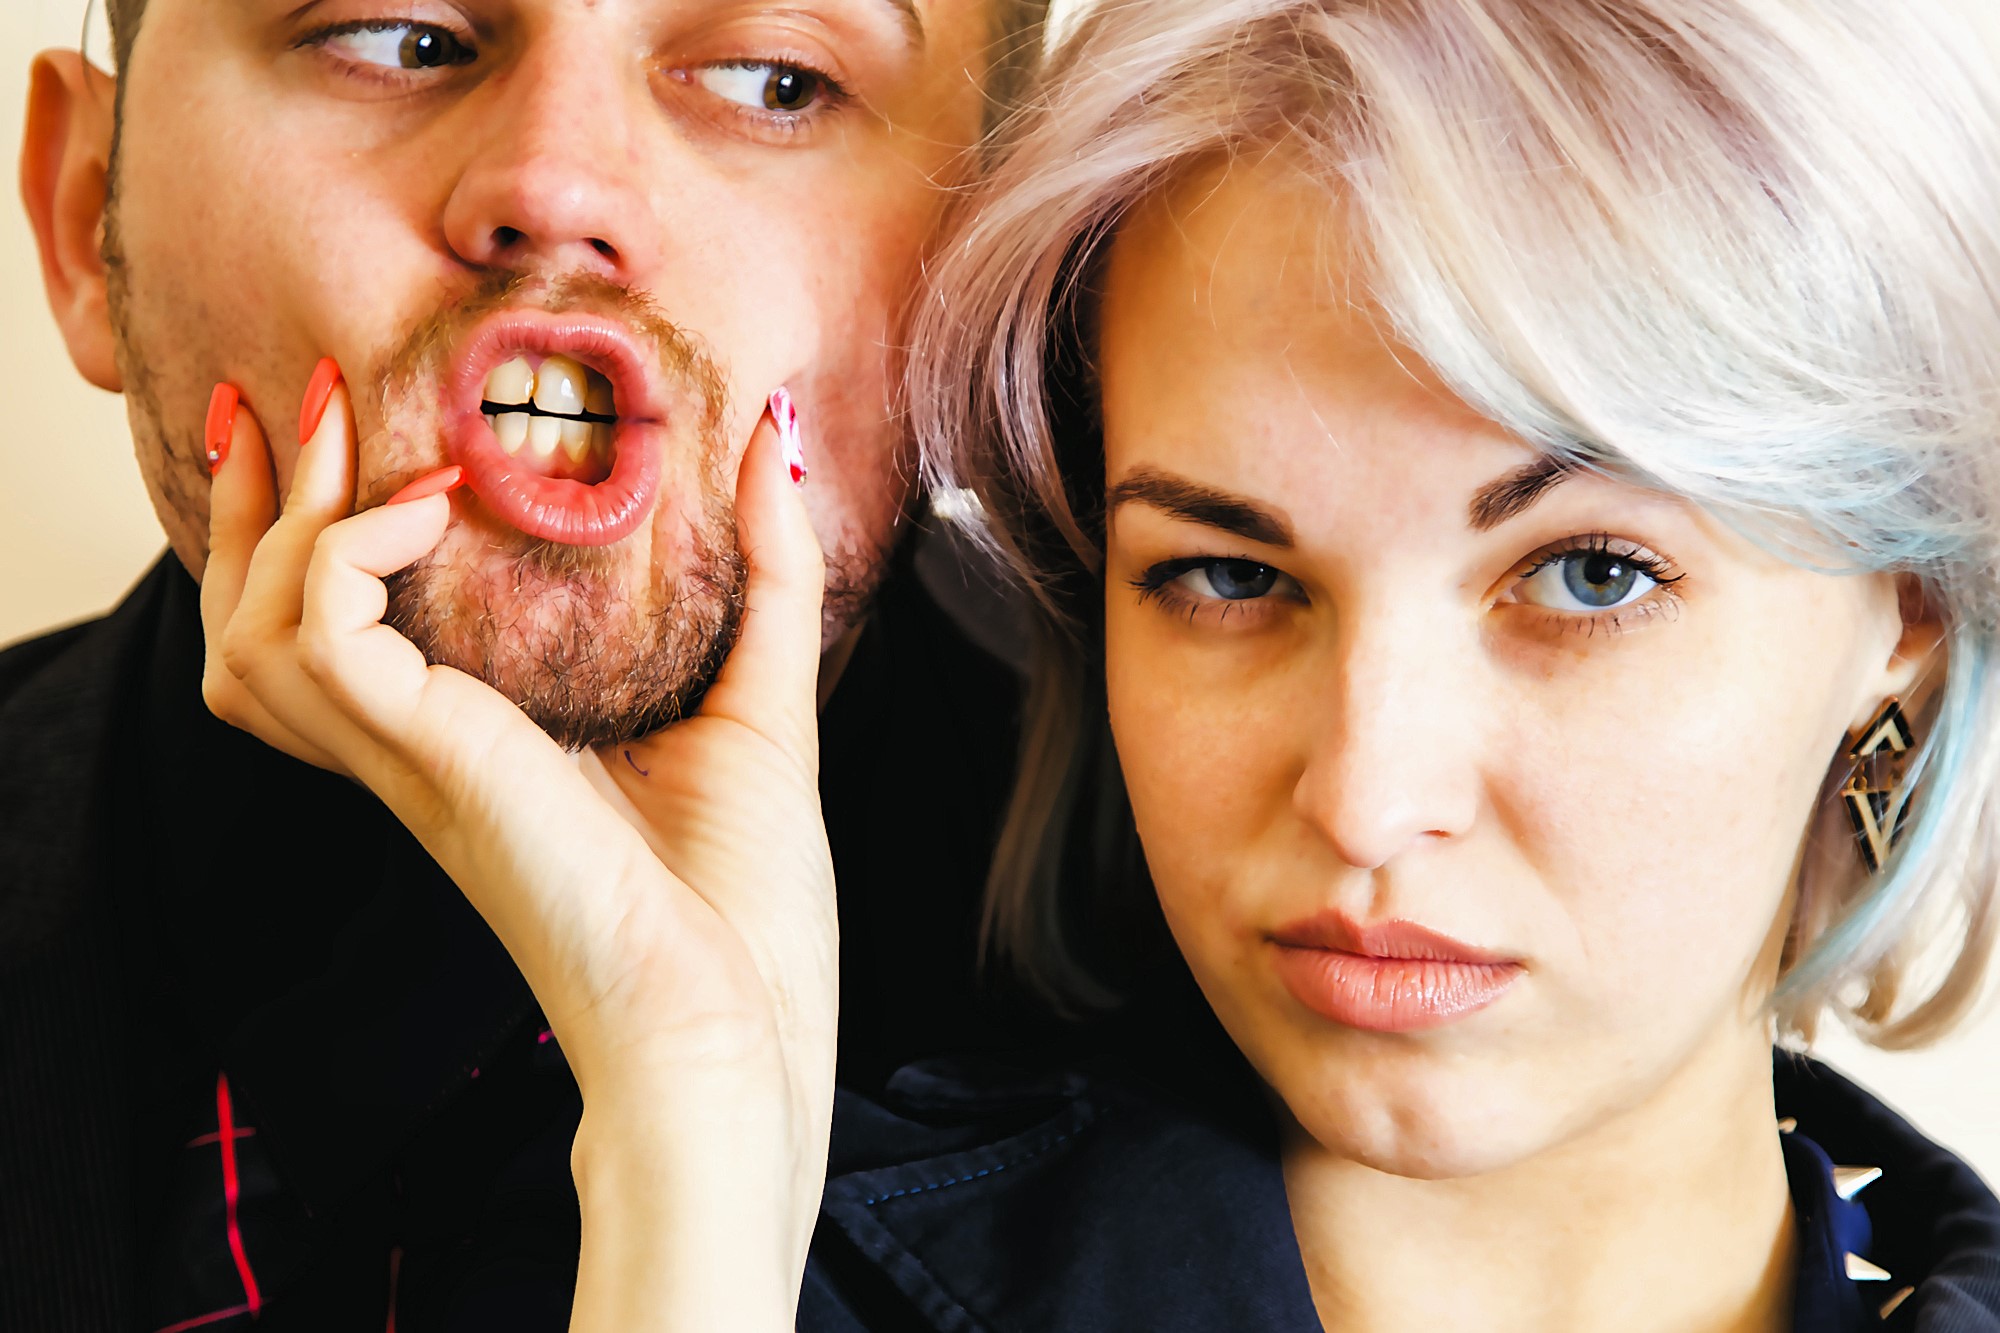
[[970, 1198]]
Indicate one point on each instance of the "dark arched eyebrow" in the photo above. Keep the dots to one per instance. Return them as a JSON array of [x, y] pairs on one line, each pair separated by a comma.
[[1177, 496], [1511, 495]]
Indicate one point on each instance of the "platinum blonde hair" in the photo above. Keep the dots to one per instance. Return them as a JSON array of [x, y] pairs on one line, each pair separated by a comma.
[[1746, 252]]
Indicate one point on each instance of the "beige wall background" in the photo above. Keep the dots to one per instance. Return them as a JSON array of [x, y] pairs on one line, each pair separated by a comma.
[[76, 530]]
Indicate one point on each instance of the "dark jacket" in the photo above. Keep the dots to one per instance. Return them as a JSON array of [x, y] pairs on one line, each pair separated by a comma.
[[968, 1199], [258, 1058]]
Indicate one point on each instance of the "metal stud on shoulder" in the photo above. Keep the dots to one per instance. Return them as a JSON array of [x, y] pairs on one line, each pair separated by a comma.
[[1849, 1181], [1860, 1270]]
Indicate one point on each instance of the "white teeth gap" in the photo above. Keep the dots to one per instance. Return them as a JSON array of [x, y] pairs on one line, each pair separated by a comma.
[[561, 404]]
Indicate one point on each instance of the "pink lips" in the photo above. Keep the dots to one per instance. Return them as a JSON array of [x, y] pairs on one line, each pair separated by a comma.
[[557, 509], [1394, 976]]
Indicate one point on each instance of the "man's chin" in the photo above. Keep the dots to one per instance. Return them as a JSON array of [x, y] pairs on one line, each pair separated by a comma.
[[589, 659]]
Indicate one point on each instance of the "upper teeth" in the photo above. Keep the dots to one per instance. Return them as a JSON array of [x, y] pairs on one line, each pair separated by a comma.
[[561, 386]]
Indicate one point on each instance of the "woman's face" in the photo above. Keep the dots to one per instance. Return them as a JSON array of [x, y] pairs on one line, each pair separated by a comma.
[[1373, 673]]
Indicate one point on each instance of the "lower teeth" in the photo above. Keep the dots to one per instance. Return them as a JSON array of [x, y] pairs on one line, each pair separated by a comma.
[[543, 435]]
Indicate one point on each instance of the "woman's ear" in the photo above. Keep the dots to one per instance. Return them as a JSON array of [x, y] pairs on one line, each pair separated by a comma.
[[65, 175], [1916, 667]]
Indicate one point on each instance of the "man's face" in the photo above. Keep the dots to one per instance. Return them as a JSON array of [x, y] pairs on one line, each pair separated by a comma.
[[694, 201]]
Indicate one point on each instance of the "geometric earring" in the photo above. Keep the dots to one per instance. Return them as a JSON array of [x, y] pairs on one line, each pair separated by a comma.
[[1879, 753]]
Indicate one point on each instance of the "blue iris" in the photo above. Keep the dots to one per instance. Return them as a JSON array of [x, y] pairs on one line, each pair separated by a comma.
[[1599, 579]]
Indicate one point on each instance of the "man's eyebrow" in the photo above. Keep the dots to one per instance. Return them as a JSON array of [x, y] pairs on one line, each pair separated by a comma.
[[1510, 495], [1197, 503]]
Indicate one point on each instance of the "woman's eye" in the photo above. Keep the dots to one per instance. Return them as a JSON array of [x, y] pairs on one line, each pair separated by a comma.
[[1587, 581], [400, 46], [1229, 580], [763, 85]]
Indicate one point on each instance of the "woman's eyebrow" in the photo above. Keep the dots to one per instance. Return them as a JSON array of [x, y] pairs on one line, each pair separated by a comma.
[[1190, 500], [1512, 494], [913, 22]]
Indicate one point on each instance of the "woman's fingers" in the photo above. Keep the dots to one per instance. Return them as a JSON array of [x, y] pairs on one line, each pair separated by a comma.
[[366, 668], [322, 493], [242, 505], [770, 682]]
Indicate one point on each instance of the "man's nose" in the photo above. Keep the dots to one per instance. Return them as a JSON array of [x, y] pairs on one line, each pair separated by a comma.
[[554, 183], [1392, 755]]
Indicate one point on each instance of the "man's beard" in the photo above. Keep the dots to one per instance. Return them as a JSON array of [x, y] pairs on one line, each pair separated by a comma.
[[588, 666], [557, 628]]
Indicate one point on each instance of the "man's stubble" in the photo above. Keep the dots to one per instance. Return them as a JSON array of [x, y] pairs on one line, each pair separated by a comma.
[[559, 630]]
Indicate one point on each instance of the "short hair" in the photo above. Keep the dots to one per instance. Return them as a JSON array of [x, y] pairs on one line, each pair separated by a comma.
[[1746, 252], [122, 16]]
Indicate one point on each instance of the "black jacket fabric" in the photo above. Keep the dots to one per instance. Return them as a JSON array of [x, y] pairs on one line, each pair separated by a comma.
[[975, 1199], [260, 1063]]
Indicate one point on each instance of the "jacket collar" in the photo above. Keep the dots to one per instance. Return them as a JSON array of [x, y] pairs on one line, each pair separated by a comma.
[[1003, 1227], [1009, 1204]]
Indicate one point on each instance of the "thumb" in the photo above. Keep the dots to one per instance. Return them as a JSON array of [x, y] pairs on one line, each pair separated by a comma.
[[770, 682]]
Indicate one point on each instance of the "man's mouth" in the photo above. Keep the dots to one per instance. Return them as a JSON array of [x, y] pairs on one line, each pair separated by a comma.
[[557, 420], [558, 417]]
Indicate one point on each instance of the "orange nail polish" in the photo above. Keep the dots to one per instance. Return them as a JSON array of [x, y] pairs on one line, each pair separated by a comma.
[[437, 483], [325, 376], [221, 425]]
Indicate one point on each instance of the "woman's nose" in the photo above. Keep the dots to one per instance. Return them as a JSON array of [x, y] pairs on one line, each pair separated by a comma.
[[555, 182], [1392, 756]]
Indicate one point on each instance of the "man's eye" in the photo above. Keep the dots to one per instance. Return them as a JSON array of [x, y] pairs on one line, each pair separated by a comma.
[[763, 85], [1229, 580], [1587, 581], [399, 46]]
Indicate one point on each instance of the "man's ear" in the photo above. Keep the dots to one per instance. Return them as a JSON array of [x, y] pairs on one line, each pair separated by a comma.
[[65, 172]]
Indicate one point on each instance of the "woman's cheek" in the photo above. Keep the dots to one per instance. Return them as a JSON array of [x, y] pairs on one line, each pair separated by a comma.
[[1660, 838], [1196, 746]]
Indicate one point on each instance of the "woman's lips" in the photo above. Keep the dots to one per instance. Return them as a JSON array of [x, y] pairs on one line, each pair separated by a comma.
[[1395, 976], [559, 509]]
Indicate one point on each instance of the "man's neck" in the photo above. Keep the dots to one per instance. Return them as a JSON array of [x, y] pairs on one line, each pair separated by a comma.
[[1673, 1216]]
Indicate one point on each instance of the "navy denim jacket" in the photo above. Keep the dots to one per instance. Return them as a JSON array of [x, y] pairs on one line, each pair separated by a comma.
[[971, 1201]]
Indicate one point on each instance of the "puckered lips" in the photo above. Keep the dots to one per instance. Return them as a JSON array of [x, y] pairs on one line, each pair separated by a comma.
[[1391, 976], [557, 421]]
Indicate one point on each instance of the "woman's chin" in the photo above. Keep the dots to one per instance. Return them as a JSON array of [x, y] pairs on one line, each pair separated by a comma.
[[1422, 1125]]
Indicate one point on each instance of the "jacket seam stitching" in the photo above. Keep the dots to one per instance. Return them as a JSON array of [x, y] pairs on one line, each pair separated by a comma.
[[1029, 1156]]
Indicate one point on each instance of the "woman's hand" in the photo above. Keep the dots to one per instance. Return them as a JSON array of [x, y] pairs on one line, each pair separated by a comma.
[[671, 903]]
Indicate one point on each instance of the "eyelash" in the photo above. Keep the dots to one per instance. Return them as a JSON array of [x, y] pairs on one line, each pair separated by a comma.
[[834, 95], [1663, 599], [380, 76], [1159, 583]]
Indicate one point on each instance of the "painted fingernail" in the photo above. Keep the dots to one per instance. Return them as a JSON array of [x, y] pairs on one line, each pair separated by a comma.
[[785, 415], [437, 483], [221, 425], [325, 376]]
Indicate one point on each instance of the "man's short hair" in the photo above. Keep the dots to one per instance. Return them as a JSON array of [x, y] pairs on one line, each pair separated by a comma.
[[124, 19]]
